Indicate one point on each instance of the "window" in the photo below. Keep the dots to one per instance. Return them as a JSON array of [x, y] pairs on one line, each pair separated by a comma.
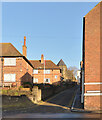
[[9, 77], [55, 76], [35, 80], [47, 80], [47, 71], [9, 61], [35, 71]]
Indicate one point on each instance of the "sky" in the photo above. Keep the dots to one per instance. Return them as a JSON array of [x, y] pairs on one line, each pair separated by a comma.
[[54, 29]]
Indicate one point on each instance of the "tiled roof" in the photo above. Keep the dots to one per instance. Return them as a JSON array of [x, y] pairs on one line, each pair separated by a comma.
[[7, 49], [61, 63], [48, 64]]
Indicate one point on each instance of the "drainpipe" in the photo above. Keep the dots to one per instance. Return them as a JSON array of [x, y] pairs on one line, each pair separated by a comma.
[[1, 71], [82, 95]]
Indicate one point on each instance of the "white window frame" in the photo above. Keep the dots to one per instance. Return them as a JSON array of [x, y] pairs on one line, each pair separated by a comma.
[[35, 80], [47, 71], [9, 77], [9, 61], [56, 76], [35, 71], [48, 80]]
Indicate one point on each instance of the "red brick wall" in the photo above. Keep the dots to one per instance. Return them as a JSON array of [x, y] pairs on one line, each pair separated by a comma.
[[22, 70], [101, 47], [92, 56], [92, 87], [52, 74], [94, 104]]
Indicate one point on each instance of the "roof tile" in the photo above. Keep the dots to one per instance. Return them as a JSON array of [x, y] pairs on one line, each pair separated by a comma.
[[48, 64], [7, 49]]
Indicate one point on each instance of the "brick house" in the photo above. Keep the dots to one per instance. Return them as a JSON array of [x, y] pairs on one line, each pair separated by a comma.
[[63, 68], [15, 67], [52, 71], [92, 60]]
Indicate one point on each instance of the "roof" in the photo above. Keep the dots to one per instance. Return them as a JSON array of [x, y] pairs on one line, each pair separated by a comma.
[[61, 63], [48, 64], [7, 49], [99, 4]]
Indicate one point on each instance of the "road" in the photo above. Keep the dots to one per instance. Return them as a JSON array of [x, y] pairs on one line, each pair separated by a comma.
[[56, 107]]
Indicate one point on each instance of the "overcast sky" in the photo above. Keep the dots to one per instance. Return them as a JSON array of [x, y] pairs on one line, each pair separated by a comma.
[[52, 29]]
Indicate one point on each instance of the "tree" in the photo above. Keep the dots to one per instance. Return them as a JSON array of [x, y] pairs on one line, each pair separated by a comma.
[[71, 72]]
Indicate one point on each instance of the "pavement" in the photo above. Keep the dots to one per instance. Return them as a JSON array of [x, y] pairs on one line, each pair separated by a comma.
[[71, 116], [77, 105]]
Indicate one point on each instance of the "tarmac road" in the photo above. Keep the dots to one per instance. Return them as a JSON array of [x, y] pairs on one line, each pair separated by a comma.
[[56, 107]]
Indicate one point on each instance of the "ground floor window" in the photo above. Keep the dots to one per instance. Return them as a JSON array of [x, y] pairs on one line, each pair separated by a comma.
[[9, 77], [47, 80], [35, 80]]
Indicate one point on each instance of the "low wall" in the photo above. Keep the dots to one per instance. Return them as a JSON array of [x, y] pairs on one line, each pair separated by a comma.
[[40, 92], [15, 92], [47, 92]]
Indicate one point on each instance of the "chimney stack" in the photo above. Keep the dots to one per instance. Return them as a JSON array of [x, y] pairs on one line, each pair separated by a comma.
[[24, 47], [42, 59]]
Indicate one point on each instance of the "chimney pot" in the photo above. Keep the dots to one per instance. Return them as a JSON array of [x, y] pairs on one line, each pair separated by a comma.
[[25, 40], [42, 59]]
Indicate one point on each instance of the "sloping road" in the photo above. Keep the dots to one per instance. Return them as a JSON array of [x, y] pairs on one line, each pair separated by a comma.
[[60, 103], [56, 107]]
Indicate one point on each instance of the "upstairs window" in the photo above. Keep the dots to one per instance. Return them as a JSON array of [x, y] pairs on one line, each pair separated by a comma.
[[35, 71], [47, 71], [9, 77], [9, 61]]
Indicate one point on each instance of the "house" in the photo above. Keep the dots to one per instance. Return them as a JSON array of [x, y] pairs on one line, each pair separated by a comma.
[[91, 67], [45, 71], [63, 68], [16, 69]]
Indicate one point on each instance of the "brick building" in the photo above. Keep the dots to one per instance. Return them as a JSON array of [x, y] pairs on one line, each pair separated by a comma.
[[92, 62], [63, 68], [15, 67], [52, 71]]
